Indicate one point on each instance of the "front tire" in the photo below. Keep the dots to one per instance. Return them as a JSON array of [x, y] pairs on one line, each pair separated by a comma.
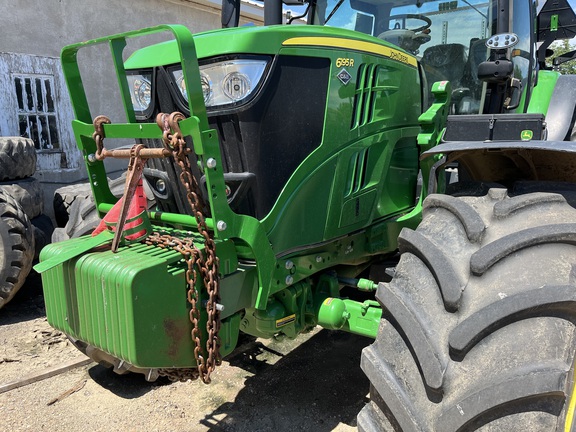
[[478, 329]]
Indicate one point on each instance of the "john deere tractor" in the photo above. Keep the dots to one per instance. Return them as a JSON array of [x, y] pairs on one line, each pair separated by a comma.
[[403, 170]]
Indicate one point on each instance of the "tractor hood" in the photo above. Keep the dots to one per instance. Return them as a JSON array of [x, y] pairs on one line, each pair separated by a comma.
[[250, 40]]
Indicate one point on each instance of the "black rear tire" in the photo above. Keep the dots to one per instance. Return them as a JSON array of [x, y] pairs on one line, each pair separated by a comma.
[[478, 329], [16, 248]]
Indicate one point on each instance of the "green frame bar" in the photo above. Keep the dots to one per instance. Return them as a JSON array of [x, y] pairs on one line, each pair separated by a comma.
[[205, 142]]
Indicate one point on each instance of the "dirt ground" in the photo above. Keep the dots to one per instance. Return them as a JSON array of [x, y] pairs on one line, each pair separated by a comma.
[[311, 384]]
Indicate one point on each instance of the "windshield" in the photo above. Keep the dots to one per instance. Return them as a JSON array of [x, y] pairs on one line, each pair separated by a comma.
[[447, 37], [443, 21]]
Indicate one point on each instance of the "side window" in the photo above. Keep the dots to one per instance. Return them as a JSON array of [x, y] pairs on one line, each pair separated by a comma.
[[522, 54], [37, 116]]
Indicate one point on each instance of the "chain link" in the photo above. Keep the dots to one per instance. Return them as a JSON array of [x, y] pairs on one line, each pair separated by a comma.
[[208, 267]]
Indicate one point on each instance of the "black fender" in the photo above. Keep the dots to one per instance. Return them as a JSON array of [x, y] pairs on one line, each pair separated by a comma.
[[505, 162], [560, 115]]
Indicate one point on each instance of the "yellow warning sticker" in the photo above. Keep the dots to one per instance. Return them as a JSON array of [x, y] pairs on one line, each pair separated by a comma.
[[328, 301], [286, 320]]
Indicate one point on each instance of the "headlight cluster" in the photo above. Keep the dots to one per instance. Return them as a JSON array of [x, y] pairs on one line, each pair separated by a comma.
[[140, 90], [226, 82]]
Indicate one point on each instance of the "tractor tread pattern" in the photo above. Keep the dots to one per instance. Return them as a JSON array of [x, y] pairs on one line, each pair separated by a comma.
[[547, 300], [505, 208], [385, 382], [365, 420], [432, 362], [371, 418], [468, 217], [542, 380], [487, 256], [437, 262]]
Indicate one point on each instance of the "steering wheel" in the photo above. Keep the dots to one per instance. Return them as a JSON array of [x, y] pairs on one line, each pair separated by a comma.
[[424, 18], [408, 39]]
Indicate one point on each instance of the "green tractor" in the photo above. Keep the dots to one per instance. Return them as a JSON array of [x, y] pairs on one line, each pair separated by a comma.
[[402, 170]]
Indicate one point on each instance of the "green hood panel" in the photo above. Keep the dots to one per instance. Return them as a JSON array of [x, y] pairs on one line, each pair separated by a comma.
[[241, 40]]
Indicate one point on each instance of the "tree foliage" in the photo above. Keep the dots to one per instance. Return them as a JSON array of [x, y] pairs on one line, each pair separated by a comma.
[[559, 48]]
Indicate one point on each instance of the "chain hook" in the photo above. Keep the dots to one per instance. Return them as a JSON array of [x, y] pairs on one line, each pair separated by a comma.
[[98, 135]]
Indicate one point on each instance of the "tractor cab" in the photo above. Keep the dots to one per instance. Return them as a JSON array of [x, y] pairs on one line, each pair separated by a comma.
[[449, 38]]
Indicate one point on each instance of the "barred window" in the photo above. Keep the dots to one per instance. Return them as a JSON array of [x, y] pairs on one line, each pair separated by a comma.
[[37, 116]]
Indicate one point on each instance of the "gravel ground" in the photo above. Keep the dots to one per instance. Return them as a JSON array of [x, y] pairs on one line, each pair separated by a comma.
[[311, 384]]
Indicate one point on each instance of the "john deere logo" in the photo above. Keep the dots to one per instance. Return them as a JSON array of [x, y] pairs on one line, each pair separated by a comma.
[[526, 135]]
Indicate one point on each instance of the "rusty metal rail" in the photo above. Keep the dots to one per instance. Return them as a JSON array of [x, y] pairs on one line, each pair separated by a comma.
[[145, 153], [47, 373]]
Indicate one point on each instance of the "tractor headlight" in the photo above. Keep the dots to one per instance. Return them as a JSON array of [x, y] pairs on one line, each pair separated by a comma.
[[226, 82], [204, 81], [140, 90]]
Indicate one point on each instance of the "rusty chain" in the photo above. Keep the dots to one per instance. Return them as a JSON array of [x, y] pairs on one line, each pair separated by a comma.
[[98, 135], [208, 266], [175, 146]]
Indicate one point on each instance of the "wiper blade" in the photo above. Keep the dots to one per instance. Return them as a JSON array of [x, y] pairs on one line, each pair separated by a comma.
[[334, 11]]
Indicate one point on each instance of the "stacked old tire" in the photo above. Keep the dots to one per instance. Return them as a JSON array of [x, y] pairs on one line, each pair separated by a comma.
[[75, 210], [24, 228]]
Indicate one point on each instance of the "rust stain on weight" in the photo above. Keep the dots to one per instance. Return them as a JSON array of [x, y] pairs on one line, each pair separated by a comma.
[[176, 330]]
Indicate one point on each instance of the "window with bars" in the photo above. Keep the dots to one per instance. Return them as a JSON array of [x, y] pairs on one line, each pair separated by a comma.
[[37, 116]]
